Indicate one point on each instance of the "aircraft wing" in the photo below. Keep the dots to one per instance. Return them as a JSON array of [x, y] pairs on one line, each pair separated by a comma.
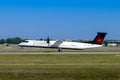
[[57, 44]]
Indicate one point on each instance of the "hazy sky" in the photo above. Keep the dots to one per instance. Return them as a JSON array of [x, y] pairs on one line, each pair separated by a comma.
[[59, 19]]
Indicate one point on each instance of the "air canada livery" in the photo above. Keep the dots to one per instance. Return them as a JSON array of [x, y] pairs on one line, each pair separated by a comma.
[[97, 42]]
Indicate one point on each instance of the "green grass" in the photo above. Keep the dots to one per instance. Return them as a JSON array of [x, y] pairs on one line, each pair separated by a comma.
[[60, 67]]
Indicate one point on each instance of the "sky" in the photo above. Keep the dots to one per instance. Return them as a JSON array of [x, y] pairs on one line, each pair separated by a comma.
[[59, 19]]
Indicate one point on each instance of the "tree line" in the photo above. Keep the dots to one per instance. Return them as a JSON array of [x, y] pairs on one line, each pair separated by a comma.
[[15, 40]]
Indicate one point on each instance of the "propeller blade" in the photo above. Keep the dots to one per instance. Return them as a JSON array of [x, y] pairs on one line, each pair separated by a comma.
[[48, 40]]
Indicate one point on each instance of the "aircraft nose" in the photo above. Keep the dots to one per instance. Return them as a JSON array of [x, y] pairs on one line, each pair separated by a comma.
[[20, 44]]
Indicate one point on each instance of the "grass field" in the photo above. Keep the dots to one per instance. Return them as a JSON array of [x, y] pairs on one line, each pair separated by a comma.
[[60, 67]]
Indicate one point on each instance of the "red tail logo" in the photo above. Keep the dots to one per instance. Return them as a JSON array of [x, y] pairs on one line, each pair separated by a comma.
[[99, 40]]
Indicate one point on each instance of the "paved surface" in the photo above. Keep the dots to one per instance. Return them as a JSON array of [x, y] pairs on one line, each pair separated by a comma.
[[59, 52]]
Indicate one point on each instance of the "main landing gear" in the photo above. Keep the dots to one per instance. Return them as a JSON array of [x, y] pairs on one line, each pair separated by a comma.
[[59, 50]]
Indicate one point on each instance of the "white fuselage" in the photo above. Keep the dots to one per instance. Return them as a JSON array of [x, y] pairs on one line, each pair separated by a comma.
[[58, 44]]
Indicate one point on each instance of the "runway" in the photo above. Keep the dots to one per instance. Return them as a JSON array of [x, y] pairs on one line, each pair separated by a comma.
[[59, 52]]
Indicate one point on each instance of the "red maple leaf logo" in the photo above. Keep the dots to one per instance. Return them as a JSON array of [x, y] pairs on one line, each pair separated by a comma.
[[99, 40]]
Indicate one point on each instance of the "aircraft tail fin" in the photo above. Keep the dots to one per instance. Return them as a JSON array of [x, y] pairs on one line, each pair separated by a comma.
[[99, 38]]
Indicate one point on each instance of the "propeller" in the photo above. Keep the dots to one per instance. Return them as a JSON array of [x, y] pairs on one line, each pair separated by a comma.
[[48, 41]]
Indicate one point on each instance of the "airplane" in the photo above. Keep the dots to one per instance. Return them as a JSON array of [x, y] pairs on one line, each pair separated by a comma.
[[60, 44]]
